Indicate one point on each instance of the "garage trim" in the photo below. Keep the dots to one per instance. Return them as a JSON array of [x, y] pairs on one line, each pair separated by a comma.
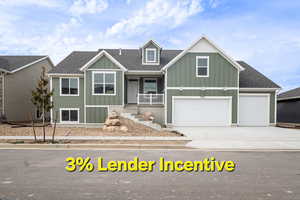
[[257, 94], [204, 97]]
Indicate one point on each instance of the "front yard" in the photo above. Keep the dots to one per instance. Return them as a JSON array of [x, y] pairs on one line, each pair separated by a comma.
[[134, 129]]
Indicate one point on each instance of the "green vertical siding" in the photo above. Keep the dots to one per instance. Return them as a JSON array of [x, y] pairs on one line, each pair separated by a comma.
[[96, 114], [272, 103], [232, 93], [221, 72], [67, 101], [104, 63]]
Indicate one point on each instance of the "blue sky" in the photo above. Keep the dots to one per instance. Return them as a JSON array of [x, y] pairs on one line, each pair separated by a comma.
[[266, 34]]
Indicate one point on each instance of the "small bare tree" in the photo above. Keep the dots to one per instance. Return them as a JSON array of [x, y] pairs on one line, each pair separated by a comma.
[[41, 98]]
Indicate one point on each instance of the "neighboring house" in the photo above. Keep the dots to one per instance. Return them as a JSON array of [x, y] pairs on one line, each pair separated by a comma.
[[288, 106], [198, 86], [19, 76]]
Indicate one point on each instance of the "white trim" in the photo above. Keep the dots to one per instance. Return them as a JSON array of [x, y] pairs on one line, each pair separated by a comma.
[[228, 58], [288, 98], [155, 55], [97, 106], [258, 89], [51, 100], [204, 97], [98, 56], [123, 92], [155, 43], [104, 72], [66, 75], [69, 122], [84, 97], [140, 72], [29, 64], [202, 88], [150, 79], [68, 95], [258, 94], [207, 67]]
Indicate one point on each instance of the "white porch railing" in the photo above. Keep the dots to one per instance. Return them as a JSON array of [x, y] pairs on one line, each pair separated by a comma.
[[150, 99]]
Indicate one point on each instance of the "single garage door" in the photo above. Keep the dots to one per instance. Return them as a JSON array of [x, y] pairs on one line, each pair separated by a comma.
[[254, 109], [202, 111]]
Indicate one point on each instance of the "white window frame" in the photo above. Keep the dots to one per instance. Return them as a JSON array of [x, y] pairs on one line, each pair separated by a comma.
[[69, 109], [155, 53], [60, 84], [202, 57], [93, 83], [151, 79]]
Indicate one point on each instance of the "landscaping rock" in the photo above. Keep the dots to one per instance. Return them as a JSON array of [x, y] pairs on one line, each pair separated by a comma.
[[148, 116], [112, 122], [113, 115], [124, 129]]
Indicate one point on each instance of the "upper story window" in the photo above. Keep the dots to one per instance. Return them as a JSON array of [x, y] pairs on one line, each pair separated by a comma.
[[69, 86], [150, 86], [104, 83], [202, 66], [151, 55]]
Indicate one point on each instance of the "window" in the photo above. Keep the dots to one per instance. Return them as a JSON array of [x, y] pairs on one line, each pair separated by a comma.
[[202, 66], [69, 87], [150, 86], [150, 55], [104, 83], [69, 115]]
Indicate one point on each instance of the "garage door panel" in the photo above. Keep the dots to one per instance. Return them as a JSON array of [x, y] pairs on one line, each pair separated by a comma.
[[202, 112], [254, 110]]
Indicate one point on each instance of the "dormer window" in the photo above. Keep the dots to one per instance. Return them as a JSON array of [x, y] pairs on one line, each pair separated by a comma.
[[151, 55]]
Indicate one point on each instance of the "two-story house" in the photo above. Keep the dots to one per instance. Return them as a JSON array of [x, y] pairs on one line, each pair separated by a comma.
[[198, 86]]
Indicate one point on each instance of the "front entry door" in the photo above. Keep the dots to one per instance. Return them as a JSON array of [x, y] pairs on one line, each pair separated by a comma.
[[132, 91]]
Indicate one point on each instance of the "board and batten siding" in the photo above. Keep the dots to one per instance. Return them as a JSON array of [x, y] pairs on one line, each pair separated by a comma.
[[104, 63], [221, 72], [96, 114], [232, 93], [272, 102], [67, 101]]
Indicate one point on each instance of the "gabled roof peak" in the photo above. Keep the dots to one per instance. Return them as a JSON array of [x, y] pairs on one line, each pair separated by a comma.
[[153, 42]]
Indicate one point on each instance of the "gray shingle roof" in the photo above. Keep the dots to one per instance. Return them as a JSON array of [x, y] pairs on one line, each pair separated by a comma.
[[11, 63], [294, 93], [251, 78], [131, 59]]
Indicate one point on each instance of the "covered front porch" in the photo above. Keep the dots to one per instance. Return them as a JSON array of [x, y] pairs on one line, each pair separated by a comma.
[[144, 89]]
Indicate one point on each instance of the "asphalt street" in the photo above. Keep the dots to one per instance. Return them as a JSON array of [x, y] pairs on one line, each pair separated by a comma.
[[41, 174]]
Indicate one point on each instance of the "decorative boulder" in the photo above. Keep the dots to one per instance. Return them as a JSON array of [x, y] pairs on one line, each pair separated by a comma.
[[148, 116], [112, 122], [123, 128], [113, 115]]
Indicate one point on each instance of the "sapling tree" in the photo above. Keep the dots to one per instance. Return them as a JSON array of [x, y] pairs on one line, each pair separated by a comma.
[[41, 98]]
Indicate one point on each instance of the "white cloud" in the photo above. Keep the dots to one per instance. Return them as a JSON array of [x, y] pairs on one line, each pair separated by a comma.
[[45, 3], [170, 13], [81, 7]]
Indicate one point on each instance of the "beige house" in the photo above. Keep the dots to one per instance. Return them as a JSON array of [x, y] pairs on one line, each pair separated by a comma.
[[18, 77]]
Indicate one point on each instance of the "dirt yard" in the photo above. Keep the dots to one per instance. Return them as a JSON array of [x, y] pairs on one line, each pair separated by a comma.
[[134, 129]]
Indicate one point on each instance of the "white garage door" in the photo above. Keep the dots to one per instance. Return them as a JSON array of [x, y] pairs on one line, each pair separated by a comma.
[[254, 109], [203, 111]]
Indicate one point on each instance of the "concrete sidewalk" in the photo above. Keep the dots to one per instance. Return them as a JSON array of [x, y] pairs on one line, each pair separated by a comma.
[[127, 138], [242, 137]]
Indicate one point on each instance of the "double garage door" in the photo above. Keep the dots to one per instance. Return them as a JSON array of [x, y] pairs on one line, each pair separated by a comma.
[[217, 111]]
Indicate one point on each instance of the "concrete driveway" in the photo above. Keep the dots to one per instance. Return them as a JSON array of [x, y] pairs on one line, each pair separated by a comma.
[[242, 137]]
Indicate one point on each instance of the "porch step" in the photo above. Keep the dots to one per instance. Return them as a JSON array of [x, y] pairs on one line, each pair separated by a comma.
[[135, 118]]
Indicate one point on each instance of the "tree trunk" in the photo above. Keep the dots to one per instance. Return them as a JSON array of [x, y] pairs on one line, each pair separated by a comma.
[[55, 120], [32, 121], [44, 131]]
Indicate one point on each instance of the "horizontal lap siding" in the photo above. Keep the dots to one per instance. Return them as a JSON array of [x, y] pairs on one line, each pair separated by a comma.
[[67, 101], [96, 114], [221, 72], [272, 103], [232, 93]]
